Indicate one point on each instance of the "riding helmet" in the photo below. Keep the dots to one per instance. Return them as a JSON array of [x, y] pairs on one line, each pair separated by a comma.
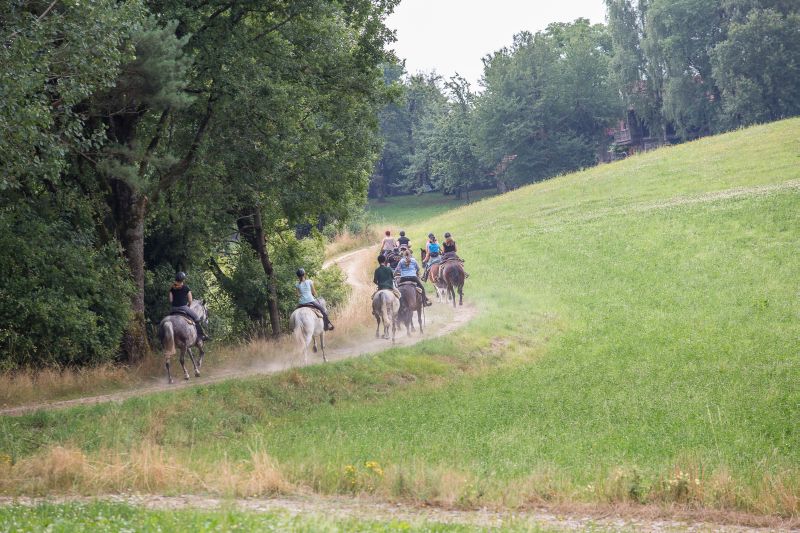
[[447, 235], [180, 276], [301, 272], [402, 233], [430, 235]]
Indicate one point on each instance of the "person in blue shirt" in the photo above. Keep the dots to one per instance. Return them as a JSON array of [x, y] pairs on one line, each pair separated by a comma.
[[433, 252], [307, 297], [408, 269]]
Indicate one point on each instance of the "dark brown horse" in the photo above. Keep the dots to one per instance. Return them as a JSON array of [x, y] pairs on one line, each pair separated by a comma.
[[452, 274], [410, 301]]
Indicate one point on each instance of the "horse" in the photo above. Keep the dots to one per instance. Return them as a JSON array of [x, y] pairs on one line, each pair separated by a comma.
[[179, 331], [452, 273], [306, 325], [385, 306], [410, 301], [393, 257]]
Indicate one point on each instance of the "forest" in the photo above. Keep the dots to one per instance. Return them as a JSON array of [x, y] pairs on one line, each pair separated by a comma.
[[658, 72], [222, 137]]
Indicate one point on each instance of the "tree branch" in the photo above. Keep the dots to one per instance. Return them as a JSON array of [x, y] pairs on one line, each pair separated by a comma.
[[170, 177]]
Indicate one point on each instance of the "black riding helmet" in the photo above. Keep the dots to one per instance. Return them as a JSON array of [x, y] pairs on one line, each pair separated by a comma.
[[402, 233], [430, 235], [447, 235], [180, 276], [301, 272]]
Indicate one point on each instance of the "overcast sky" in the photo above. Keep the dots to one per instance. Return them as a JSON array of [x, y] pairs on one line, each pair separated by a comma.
[[451, 36]]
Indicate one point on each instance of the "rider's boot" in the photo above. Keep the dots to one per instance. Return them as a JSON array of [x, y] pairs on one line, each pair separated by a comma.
[[328, 326], [200, 333]]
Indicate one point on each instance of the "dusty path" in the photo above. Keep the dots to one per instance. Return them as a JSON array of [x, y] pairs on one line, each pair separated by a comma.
[[354, 336], [574, 518]]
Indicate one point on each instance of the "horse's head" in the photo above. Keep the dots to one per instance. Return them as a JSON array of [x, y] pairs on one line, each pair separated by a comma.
[[202, 311]]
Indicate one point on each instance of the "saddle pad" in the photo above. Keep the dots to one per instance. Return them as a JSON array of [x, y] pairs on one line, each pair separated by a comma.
[[312, 308]]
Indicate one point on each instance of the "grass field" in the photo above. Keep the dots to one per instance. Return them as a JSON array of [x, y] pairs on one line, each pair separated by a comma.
[[638, 341], [406, 210]]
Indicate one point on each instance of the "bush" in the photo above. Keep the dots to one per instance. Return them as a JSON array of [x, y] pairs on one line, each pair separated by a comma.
[[64, 300]]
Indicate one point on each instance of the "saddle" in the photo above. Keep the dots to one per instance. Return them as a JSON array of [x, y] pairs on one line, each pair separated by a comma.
[[394, 291], [183, 315], [316, 311], [419, 291]]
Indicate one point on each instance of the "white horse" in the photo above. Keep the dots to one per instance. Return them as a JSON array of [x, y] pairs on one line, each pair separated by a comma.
[[306, 325], [385, 306]]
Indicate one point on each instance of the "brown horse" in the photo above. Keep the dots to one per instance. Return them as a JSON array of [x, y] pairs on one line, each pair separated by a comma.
[[410, 301], [452, 274]]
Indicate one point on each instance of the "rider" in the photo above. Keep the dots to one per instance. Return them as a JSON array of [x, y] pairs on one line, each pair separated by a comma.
[[383, 277], [449, 248], [409, 271], [403, 241], [432, 252], [388, 243], [180, 298], [307, 295]]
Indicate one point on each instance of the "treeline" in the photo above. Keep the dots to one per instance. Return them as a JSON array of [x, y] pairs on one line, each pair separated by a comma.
[[658, 72], [143, 137]]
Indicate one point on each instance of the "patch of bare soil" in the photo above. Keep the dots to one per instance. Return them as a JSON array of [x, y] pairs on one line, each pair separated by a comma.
[[354, 336], [567, 518]]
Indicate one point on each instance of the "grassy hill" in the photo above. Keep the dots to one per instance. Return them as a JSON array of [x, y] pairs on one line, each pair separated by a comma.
[[637, 341]]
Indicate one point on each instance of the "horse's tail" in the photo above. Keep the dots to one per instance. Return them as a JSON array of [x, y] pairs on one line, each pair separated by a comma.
[[167, 337], [297, 329], [385, 303]]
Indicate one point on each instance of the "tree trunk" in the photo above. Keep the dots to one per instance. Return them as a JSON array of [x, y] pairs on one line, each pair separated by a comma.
[[129, 211], [502, 187], [272, 282]]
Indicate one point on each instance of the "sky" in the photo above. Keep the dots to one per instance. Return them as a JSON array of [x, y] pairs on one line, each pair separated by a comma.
[[449, 36]]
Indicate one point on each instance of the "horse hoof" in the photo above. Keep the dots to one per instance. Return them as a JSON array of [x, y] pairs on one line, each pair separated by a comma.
[[186, 377], [197, 373], [314, 349], [170, 381]]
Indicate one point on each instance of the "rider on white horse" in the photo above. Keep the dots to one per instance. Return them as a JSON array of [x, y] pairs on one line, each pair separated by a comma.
[[307, 297], [383, 276], [180, 298]]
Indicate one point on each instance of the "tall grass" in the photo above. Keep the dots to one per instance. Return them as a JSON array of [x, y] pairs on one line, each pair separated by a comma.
[[636, 344]]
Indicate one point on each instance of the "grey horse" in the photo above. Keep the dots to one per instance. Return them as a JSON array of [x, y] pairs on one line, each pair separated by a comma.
[[410, 301], [306, 325], [385, 306], [177, 331]]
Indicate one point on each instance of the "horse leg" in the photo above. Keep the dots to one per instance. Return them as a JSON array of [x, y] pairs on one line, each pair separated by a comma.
[[378, 326], [200, 359], [460, 295], [419, 319], [194, 363], [183, 363], [322, 346], [451, 292], [166, 363], [314, 341]]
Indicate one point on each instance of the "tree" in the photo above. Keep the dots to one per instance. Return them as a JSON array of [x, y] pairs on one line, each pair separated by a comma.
[[547, 102], [757, 68]]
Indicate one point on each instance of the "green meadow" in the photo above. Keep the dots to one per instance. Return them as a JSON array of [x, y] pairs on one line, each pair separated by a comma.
[[415, 208], [637, 340]]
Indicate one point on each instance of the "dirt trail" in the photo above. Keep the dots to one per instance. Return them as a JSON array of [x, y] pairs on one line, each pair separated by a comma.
[[355, 337], [565, 518]]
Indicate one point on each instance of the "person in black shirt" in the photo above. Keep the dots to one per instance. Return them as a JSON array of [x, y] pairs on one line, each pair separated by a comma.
[[449, 244], [403, 241], [180, 298]]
